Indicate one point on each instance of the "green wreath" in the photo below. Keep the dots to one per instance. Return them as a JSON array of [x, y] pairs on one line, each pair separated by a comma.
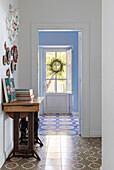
[[56, 65]]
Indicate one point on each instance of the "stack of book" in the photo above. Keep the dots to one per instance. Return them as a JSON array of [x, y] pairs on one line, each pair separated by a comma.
[[24, 94]]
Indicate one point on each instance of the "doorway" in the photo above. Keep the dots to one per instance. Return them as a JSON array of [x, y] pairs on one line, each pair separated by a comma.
[[63, 93]]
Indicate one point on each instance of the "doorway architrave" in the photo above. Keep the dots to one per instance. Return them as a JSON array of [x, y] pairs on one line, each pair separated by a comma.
[[85, 132]]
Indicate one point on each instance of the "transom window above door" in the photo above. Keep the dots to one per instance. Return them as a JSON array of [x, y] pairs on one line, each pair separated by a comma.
[[60, 82]]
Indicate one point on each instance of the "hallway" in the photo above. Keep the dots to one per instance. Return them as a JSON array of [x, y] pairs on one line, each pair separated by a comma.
[[63, 148]]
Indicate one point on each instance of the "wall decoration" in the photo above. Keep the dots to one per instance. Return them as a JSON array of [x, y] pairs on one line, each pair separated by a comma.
[[4, 60], [9, 90], [8, 72], [56, 65], [8, 55], [13, 23], [14, 52], [5, 46], [12, 67]]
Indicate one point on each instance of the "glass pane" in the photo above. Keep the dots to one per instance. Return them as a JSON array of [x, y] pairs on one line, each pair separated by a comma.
[[61, 86], [50, 86], [49, 74], [62, 56], [62, 75], [49, 56]]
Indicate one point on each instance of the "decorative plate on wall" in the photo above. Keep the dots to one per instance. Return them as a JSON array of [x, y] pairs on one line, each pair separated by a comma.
[[4, 60], [14, 52], [8, 55], [8, 72], [12, 67]]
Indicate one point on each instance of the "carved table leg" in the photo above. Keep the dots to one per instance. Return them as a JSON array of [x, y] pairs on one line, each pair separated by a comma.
[[36, 126], [31, 134]]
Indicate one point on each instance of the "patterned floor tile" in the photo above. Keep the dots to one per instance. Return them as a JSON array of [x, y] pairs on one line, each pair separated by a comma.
[[28, 165], [94, 166], [59, 125], [63, 148], [11, 165], [78, 166]]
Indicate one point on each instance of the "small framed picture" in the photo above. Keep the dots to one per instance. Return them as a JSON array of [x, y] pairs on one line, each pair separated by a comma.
[[9, 90]]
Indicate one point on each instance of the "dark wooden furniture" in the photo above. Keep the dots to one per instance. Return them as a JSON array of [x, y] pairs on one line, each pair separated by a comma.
[[24, 129], [22, 109]]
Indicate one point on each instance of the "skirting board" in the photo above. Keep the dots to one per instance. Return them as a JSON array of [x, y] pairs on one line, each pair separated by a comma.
[[85, 132], [2, 159], [75, 113], [9, 149], [5, 154], [95, 134]]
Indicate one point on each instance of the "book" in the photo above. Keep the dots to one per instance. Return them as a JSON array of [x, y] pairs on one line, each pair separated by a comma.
[[23, 95], [25, 98], [24, 91], [9, 90]]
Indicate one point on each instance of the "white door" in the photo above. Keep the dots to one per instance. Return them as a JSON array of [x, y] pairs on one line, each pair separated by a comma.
[[58, 87]]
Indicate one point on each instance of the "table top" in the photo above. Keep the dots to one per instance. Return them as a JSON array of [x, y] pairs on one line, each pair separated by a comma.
[[36, 101]]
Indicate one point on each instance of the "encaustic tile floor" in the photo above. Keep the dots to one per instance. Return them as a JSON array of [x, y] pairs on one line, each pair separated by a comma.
[[63, 148]]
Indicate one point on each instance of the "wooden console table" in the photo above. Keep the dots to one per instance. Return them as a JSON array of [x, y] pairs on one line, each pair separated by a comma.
[[22, 109]]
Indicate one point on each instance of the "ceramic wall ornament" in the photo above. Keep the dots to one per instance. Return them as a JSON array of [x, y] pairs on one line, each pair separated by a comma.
[[13, 23], [8, 72], [8, 55], [5, 46], [4, 60], [14, 53], [12, 67]]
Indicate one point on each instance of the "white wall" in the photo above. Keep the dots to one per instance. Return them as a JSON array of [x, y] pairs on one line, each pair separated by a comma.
[[5, 122], [65, 12], [108, 83]]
